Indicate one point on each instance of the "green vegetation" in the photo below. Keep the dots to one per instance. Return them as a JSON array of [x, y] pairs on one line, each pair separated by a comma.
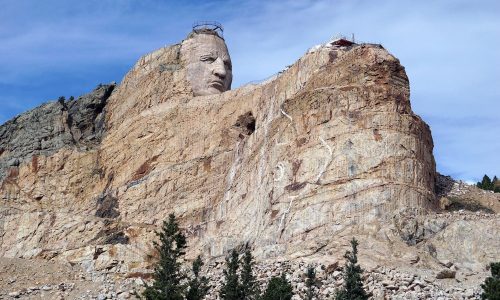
[[168, 275], [249, 285], [230, 288], [491, 286], [169, 281], [198, 286], [278, 288], [488, 184], [353, 284], [244, 287], [310, 283]]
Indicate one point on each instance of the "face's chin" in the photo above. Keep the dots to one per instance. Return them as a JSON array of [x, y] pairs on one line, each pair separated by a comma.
[[209, 90], [212, 90]]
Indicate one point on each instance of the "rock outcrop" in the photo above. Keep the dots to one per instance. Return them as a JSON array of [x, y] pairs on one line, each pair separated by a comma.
[[294, 167], [51, 127]]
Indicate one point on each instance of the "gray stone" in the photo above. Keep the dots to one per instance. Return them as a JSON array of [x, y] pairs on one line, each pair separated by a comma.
[[414, 230], [14, 294], [469, 293], [446, 263], [445, 273], [101, 297], [52, 126]]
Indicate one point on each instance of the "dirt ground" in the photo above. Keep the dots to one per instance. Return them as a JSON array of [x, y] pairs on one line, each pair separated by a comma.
[[39, 279]]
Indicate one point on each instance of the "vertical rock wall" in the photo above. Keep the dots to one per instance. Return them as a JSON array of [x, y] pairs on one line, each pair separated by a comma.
[[294, 166]]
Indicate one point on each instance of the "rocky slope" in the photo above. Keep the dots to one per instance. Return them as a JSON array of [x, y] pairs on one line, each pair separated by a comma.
[[293, 167], [51, 127]]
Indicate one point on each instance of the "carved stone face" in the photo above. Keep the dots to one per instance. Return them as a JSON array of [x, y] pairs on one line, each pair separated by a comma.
[[208, 64]]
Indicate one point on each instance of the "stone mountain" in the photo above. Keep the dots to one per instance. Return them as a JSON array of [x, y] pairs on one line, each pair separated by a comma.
[[293, 167]]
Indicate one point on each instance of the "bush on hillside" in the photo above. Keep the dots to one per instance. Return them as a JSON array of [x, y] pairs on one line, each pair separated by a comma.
[[491, 286]]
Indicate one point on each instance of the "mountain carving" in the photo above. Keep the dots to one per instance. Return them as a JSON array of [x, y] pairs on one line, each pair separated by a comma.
[[294, 167]]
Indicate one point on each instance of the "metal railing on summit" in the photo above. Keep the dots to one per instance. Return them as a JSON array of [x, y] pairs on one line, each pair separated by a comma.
[[201, 26]]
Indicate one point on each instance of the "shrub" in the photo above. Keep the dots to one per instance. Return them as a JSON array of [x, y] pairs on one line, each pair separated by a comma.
[[491, 286]]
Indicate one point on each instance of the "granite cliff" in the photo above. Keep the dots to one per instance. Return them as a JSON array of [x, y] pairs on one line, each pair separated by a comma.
[[293, 167]]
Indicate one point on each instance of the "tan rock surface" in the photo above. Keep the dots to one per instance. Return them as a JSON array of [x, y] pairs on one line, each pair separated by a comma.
[[294, 166]]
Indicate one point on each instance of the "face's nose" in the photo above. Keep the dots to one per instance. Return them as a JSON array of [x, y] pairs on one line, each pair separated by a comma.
[[219, 69]]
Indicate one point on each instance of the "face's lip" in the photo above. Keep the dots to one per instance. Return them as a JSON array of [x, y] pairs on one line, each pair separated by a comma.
[[217, 83]]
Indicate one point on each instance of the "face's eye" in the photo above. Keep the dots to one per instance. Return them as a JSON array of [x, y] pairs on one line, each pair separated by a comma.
[[209, 59], [227, 64]]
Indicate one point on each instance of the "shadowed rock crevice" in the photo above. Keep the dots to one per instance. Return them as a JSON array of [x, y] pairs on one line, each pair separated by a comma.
[[245, 124], [112, 234], [107, 207], [415, 230], [461, 204]]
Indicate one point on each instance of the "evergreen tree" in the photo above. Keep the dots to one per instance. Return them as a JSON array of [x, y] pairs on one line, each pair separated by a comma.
[[249, 286], [496, 185], [486, 183], [71, 98], [353, 284], [491, 286], [278, 288], [168, 275], [310, 283], [230, 289], [198, 286]]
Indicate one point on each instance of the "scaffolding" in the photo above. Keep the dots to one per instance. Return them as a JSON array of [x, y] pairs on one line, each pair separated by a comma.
[[208, 26]]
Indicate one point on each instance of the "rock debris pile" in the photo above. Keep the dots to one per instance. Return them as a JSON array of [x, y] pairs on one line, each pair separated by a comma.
[[380, 282]]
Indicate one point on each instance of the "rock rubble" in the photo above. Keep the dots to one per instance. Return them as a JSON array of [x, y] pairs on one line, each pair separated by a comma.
[[380, 282]]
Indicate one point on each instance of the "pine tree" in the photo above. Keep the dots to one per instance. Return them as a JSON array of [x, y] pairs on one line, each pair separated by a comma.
[[249, 286], [310, 283], [496, 185], [168, 274], [491, 286], [230, 289], [198, 286], [486, 183], [278, 288], [353, 284]]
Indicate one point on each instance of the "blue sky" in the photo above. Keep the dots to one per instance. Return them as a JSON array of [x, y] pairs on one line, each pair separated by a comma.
[[450, 50]]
